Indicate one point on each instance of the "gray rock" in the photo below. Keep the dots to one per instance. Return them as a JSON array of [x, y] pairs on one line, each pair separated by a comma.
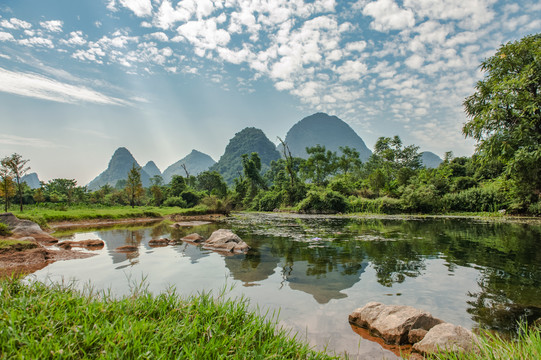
[[159, 242], [392, 322], [25, 228], [193, 238], [448, 337], [416, 335], [224, 240]]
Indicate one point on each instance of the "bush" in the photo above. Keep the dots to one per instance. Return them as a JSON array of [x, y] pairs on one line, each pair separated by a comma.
[[423, 198], [270, 200], [190, 197], [4, 230], [464, 183], [341, 186], [535, 208], [382, 205], [175, 201], [327, 201], [487, 198]]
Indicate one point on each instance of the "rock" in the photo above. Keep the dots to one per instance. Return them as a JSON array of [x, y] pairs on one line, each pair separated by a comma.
[[416, 335], [448, 337], [24, 228], [225, 240], [392, 322], [159, 242], [127, 248], [91, 243], [193, 238]]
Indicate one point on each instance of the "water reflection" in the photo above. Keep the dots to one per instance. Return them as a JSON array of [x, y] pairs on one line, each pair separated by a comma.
[[492, 270]]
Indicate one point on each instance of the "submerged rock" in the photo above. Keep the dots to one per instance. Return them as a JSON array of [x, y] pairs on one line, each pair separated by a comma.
[[446, 337], [392, 322], [159, 242], [224, 240], [90, 244], [127, 248]]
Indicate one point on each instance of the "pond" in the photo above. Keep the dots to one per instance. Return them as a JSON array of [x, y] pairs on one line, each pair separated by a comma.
[[313, 271]]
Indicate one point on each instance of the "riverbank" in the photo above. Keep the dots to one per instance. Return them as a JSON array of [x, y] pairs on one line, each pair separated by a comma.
[[40, 321]]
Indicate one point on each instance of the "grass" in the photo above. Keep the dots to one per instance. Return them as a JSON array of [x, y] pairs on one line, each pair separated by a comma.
[[527, 345], [21, 244], [45, 215], [39, 321]]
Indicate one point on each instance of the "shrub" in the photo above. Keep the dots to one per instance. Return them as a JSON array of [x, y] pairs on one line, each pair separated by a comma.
[[190, 197], [270, 200], [4, 230], [487, 198], [423, 198], [341, 186], [535, 208], [382, 205], [175, 201], [327, 201], [464, 183]]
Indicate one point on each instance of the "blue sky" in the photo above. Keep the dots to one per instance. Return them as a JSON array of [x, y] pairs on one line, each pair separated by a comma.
[[161, 77]]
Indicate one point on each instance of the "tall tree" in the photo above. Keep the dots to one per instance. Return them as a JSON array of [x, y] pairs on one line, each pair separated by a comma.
[[320, 164], [505, 114], [17, 166], [134, 186], [349, 160], [7, 188]]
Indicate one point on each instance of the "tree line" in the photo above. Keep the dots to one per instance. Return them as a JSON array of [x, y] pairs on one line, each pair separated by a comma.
[[504, 173]]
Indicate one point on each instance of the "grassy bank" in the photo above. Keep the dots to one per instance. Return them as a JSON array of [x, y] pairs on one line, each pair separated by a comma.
[[45, 215], [38, 322], [526, 346]]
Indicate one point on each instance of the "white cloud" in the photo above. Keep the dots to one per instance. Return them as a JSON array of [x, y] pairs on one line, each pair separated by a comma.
[[140, 8], [5, 36], [15, 140], [388, 15], [15, 24], [52, 25], [76, 38], [37, 41], [415, 61], [204, 34], [41, 87]]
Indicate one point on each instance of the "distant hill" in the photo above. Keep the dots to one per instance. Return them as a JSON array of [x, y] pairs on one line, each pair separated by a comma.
[[151, 169], [430, 160], [325, 130], [118, 169], [196, 162], [31, 180], [245, 142]]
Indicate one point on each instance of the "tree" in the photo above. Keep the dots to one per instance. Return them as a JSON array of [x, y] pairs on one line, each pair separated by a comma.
[[505, 114], [7, 188], [134, 186], [211, 182], [63, 187], [320, 164], [349, 160], [17, 166]]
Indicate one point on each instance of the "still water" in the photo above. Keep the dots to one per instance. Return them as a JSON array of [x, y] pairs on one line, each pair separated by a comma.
[[316, 270]]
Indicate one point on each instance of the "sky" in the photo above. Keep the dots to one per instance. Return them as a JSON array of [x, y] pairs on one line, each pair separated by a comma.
[[79, 79]]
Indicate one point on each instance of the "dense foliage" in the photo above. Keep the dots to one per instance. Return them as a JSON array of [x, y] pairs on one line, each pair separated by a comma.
[[503, 174]]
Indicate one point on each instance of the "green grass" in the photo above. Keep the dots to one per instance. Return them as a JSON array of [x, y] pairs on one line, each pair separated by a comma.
[[46, 322], [21, 244], [45, 215], [526, 346]]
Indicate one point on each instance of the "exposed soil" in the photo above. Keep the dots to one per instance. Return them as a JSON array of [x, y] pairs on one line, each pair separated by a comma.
[[20, 261]]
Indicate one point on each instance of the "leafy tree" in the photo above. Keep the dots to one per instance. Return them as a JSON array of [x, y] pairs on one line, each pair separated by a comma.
[[251, 168], [17, 166], [177, 186], [321, 163], [39, 196], [349, 160], [64, 187], [7, 188], [134, 186], [211, 182], [505, 114]]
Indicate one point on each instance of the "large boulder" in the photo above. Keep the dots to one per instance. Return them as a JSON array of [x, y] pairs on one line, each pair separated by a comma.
[[224, 240], [392, 322], [446, 337], [193, 238], [26, 228]]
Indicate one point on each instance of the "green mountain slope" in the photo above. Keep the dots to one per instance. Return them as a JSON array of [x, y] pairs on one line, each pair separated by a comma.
[[245, 142]]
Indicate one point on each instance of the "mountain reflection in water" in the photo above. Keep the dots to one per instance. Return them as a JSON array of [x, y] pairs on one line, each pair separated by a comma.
[[318, 269]]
